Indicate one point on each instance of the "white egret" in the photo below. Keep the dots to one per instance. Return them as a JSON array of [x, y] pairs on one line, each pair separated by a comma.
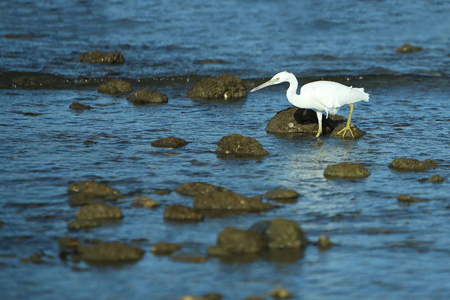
[[321, 96]]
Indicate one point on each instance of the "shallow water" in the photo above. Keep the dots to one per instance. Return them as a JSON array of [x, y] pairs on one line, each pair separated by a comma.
[[383, 248]]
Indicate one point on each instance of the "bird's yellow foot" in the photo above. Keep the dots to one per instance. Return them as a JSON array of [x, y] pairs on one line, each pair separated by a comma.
[[345, 129]]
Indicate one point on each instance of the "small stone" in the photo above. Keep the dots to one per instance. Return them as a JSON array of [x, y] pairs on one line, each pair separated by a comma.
[[99, 211], [93, 189], [115, 87], [194, 189], [144, 96], [111, 252], [229, 200], [280, 293], [145, 202], [281, 234], [80, 224], [404, 164], [169, 142], [433, 179], [239, 145], [346, 170], [407, 48], [163, 248], [324, 242], [178, 212], [282, 194], [219, 88], [97, 56], [409, 199], [236, 241], [79, 106]]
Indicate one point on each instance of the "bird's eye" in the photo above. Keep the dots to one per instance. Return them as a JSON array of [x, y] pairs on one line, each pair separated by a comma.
[[278, 79]]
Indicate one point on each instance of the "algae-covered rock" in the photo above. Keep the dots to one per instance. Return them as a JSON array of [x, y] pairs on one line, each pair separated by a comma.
[[296, 120], [236, 241], [239, 145], [404, 164], [97, 56], [169, 142], [194, 189], [346, 170], [409, 199], [83, 223], [115, 87], [178, 212], [434, 179], [407, 48], [99, 211], [145, 202], [85, 192], [357, 133], [224, 87], [281, 293], [228, 200], [111, 253], [282, 195], [281, 234], [324, 242], [164, 248], [144, 96], [79, 106]]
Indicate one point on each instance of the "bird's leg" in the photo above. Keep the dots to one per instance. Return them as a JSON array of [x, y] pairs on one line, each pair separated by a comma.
[[348, 127], [319, 122]]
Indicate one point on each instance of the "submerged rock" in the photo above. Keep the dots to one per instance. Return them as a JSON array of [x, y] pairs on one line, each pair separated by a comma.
[[195, 189], [408, 198], [145, 202], [224, 87], [115, 87], [99, 211], [296, 120], [178, 212], [144, 96], [281, 293], [357, 133], [239, 145], [236, 241], [111, 252], [346, 170], [433, 179], [79, 106], [284, 195], [407, 48], [97, 56], [169, 142], [404, 164], [83, 223], [228, 200], [324, 242], [84, 192], [281, 234], [163, 248]]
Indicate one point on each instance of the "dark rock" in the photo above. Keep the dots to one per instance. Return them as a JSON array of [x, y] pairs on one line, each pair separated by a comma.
[[97, 56], [164, 248], [93, 189], [236, 241], [281, 234], [224, 87], [282, 195], [99, 211], [178, 212], [433, 179], [194, 189], [78, 105], [324, 242], [404, 164], [145, 202], [407, 48], [115, 87], [239, 145], [147, 97], [228, 200], [80, 224], [280, 293], [409, 199], [357, 133], [297, 120], [169, 142], [111, 252], [346, 170], [2, 223], [35, 258]]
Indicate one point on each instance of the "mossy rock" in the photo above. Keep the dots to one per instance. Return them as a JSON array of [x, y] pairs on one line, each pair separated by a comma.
[[224, 87]]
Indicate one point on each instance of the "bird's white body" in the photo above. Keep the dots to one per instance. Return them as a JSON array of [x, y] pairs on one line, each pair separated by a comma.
[[321, 96]]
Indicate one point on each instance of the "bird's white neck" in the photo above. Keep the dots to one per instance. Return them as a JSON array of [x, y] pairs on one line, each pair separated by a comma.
[[291, 92]]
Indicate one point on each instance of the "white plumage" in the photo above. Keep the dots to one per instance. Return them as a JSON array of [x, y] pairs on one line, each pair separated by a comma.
[[321, 96]]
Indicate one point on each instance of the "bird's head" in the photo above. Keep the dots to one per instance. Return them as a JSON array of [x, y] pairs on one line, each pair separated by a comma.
[[277, 79]]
